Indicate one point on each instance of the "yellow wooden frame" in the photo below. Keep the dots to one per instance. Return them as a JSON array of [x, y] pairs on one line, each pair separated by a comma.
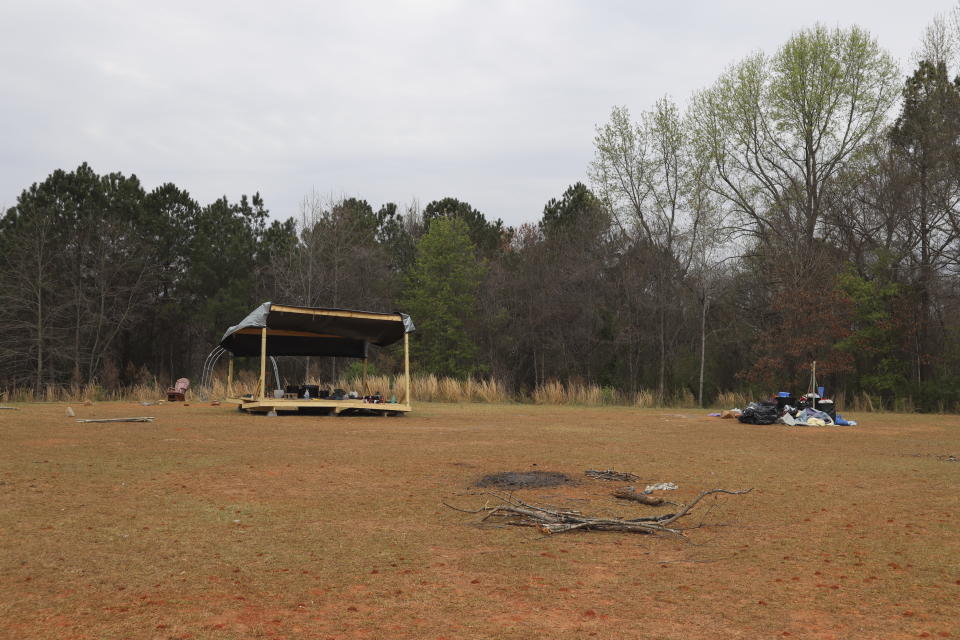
[[261, 395], [337, 313]]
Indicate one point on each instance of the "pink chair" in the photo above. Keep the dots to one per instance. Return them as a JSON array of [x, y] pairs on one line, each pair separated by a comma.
[[178, 392]]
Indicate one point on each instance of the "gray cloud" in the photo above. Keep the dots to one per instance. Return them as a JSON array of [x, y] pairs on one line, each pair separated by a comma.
[[491, 102]]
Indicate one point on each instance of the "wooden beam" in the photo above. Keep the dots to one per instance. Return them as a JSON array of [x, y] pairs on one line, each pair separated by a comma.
[[230, 377], [337, 313], [406, 365], [263, 363]]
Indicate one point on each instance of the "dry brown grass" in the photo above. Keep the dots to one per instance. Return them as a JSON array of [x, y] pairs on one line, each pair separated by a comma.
[[430, 388], [590, 395], [731, 399], [80, 393], [211, 523]]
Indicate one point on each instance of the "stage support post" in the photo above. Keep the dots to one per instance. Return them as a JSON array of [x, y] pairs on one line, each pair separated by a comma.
[[406, 364], [263, 364]]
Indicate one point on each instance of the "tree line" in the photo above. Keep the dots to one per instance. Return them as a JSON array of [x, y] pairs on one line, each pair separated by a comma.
[[803, 207]]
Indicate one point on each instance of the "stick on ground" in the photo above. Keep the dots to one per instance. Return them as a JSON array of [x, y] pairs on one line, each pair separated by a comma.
[[637, 496], [140, 419]]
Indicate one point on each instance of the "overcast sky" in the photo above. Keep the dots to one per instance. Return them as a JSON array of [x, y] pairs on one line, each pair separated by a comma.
[[491, 102]]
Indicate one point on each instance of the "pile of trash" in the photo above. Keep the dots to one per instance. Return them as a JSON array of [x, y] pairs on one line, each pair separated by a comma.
[[809, 410], [815, 418]]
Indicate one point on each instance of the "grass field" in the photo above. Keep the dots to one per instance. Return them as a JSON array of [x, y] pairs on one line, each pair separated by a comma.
[[209, 523]]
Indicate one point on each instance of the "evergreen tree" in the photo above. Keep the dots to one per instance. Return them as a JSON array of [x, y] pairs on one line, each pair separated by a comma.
[[876, 332], [486, 236], [442, 298], [75, 272], [926, 143], [577, 211]]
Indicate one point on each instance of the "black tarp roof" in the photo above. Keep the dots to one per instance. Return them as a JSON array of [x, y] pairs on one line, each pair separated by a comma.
[[309, 331]]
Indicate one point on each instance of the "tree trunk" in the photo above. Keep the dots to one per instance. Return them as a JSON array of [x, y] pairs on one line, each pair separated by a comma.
[[39, 288], [704, 302], [39, 384], [661, 378], [925, 278]]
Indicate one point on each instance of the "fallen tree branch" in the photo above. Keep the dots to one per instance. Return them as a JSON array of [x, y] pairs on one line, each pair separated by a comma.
[[514, 511], [630, 493], [704, 494], [450, 506]]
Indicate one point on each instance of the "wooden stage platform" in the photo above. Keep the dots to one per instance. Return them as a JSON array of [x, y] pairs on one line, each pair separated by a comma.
[[281, 330], [320, 406]]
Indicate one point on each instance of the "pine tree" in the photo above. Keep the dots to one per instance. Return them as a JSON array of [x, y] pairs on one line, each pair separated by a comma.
[[441, 297]]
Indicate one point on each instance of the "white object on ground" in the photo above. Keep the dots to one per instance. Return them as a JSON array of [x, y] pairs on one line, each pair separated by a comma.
[[662, 486]]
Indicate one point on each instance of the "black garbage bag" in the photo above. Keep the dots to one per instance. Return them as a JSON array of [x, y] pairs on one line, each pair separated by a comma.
[[760, 413]]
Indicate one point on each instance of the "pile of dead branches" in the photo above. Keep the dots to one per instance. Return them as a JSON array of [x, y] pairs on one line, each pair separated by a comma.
[[514, 511]]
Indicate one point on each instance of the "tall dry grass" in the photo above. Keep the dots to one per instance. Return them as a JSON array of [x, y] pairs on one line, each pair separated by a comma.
[[861, 402], [425, 388], [243, 383], [430, 388], [683, 399], [732, 399], [644, 399], [246, 382], [82, 393], [556, 392], [579, 393]]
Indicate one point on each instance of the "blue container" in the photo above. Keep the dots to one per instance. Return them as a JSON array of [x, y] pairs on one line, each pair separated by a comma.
[[783, 394]]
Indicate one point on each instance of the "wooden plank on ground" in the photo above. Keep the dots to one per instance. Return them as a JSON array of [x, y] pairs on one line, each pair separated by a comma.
[[137, 419]]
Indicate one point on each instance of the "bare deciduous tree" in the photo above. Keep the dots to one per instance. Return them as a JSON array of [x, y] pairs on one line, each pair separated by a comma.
[[779, 129], [647, 174]]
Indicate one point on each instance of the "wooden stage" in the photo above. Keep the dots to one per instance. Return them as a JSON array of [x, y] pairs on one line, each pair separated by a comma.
[[320, 406], [273, 329]]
